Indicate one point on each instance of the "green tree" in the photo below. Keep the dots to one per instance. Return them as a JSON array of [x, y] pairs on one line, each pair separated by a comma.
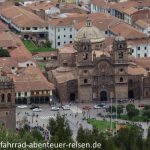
[[132, 113], [113, 109], [62, 132], [130, 107], [146, 107], [147, 145], [120, 109], [130, 138], [146, 113]]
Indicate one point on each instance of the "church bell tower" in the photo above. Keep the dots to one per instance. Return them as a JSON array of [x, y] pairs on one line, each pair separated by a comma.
[[120, 61]]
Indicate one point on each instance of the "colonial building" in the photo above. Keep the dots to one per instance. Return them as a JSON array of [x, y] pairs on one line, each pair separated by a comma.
[[7, 102], [88, 71]]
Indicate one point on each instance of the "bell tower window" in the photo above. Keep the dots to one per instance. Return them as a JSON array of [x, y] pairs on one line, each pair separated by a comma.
[[9, 97], [120, 46], [85, 56], [85, 81], [121, 79], [2, 97], [120, 55]]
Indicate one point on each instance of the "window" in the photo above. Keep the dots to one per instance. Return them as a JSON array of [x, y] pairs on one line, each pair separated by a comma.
[[145, 55], [138, 48], [58, 43], [146, 93], [9, 97], [85, 81], [145, 48], [19, 94], [25, 93], [121, 55], [58, 30], [35, 28], [120, 46], [27, 28], [121, 79], [27, 65], [121, 70], [64, 29], [64, 42], [2, 97], [85, 71], [58, 37], [85, 56], [64, 35], [70, 41], [106, 32], [70, 36]]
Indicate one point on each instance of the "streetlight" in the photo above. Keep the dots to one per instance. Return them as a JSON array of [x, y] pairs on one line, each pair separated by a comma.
[[116, 114], [111, 96]]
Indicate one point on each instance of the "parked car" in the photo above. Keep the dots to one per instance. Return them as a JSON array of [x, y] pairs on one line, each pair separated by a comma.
[[55, 108], [66, 107], [36, 110], [141, 105], [99, 106], [22, 106], [34, 106]]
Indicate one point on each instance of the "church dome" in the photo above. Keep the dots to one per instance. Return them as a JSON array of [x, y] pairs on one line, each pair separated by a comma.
[[89, 32]]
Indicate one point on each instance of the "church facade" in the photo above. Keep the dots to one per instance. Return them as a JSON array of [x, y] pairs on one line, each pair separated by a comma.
[[89, 72], [7, 102]]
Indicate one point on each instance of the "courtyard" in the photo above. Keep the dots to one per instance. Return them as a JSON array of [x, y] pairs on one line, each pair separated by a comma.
[[76, 117]]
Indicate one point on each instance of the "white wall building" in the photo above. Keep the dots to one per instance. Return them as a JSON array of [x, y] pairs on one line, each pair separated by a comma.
[[61, 35], [140, 49], [62, 31], [99, 6]]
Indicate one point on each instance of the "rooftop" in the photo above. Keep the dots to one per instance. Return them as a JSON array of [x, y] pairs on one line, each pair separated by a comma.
[[31, 79], [22, 17]]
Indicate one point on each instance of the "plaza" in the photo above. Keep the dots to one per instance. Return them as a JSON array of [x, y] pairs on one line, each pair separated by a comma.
[[76, 116]]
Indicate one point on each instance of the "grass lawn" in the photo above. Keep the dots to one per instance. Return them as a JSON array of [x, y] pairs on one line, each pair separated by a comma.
[[41, 65], [101, 125], [32, 47], [136, 118]]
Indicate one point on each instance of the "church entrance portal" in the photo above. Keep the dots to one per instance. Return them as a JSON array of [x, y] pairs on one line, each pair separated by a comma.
[[72, 96], [131, 94], [103, 96]]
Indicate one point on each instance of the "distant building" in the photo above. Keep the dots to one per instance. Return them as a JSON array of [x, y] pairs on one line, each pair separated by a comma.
[[128, 11], [143, 25], [62, 31], [32, 87], [24, 22], [87, 71], [7, 101]]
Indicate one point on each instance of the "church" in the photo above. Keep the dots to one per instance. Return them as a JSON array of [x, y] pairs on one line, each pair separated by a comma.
[[7, 102], [90, 71]]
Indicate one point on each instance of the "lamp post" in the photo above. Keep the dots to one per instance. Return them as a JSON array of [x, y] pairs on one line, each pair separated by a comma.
[[116, 114], [111, 96]]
